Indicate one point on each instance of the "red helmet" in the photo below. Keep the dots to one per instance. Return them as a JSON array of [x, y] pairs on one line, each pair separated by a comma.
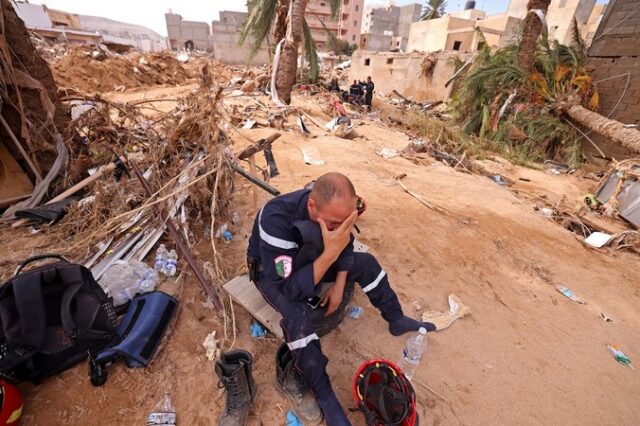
[[384, 395], [10, 403]]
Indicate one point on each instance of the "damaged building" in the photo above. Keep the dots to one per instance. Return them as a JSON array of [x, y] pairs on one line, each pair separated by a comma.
[[222, 38]]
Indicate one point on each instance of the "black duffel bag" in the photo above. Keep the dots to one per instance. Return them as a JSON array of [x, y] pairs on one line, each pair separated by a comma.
[[51, 318]]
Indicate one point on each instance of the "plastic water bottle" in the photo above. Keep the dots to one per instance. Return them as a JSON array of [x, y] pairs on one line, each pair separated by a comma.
[[172, 264], [163, 413], [413, 351], [161, 258]]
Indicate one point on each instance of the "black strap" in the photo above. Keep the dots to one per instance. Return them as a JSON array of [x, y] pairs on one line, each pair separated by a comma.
[[27, 292], [38, 257], [74, 275]]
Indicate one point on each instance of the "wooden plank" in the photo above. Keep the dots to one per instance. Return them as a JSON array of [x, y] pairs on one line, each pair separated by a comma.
[[249, 297]]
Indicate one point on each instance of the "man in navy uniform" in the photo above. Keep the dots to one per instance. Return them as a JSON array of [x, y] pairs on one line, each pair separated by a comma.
[[289, 282]]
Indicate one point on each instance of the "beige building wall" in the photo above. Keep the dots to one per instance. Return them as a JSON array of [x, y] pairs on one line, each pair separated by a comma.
[[346, 27], [403, 72], [60, 18], [560, 18]]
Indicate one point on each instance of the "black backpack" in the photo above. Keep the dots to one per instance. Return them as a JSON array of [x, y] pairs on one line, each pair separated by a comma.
[[51, 318]]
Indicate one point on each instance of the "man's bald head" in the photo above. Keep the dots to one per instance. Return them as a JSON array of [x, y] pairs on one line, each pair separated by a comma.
[[332, 186]]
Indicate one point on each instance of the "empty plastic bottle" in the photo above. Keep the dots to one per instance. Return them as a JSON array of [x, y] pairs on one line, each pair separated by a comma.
[[161, 258], [413, 351], [163, 413], [171, 267]]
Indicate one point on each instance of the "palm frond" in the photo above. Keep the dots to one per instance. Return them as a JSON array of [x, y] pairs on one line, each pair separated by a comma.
[[258, 23], [335, 6], [577, 42], [310, 51], [433, 9]]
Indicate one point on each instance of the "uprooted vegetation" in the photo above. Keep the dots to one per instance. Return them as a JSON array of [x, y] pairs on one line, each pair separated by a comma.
[[518, 113]]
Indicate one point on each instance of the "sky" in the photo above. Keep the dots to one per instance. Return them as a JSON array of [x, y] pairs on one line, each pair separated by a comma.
[[150, 13]]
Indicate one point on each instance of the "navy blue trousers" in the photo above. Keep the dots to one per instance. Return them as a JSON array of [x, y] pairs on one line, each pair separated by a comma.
[[297, 326]]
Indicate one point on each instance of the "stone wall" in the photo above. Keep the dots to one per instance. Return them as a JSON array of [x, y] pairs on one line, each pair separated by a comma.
[[403, 72], [615, 58]]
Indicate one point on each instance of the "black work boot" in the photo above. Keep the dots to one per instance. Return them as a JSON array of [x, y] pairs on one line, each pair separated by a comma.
[[293, 385], [234, 371]]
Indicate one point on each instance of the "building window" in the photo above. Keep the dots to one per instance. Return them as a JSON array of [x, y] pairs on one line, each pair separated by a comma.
[[397, 44], [357, 7], [353, 37], [456, 45], [322, 4], [346, 2], [355, 23], [389, 61], [563, 3], [367, 62]]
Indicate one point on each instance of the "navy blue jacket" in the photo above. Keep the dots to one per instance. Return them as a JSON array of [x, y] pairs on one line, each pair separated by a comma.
[[274, 243]]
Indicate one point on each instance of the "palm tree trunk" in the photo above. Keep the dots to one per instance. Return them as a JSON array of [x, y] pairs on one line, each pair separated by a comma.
[[286, 73], [280, 27], [530, 33], [611, 129]]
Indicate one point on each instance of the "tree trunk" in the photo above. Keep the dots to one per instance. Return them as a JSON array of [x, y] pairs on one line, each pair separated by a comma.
[[610, 129], [531, 32], [286, 73], [280, 27]]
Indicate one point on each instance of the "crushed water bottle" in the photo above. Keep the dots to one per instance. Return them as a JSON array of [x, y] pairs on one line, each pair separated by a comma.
[[413, 351], [161, 258], [163, 413], [124, 279], [171, 266]]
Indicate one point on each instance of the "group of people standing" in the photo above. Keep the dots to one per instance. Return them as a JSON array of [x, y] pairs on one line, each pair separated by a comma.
[[359, 93]]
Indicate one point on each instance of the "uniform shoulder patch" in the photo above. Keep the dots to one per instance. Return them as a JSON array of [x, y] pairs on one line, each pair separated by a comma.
[[284, 266]]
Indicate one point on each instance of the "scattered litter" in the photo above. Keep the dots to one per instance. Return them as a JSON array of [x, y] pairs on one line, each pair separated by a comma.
[[569, 294], [360, 247], [311, 155], [182, 57], [605, 318], [301, 125], [164, 413], [387, 153], [227, 235], [499, 180], [258, 331], [598, 239], [343, 65], [211, 346], [221, 230], [619, 355], [124, 279], [292, 419], [235, 217], [354, 312], [249, 124], [547, 212], [443, 320], [78, 108], [340, 127]]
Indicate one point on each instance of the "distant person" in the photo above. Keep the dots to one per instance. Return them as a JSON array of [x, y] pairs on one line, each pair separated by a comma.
[[355, 90], [333, 85], [368, 97]]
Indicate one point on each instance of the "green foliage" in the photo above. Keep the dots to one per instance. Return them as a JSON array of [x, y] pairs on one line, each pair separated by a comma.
[[262, 14], [433, 9], [529, 128], [310, 51]]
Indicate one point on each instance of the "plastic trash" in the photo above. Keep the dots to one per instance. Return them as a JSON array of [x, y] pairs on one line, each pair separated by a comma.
[[292, 419], [354, 312], [227, 235], [124, 279], [171, 266], [413, 352], [161, 258], [258, 330], [499, 180], [164, 413], [619, 355], [235, 218], [221, 230], [569, 294]]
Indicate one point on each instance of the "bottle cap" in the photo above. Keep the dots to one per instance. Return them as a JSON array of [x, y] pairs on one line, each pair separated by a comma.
[[422, 330]]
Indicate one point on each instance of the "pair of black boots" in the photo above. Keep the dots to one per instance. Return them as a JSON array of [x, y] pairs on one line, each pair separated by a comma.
[[234, 369]]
